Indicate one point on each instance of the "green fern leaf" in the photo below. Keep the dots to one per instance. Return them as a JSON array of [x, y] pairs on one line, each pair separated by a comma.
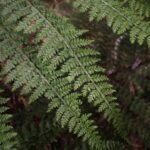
[[120, 17]]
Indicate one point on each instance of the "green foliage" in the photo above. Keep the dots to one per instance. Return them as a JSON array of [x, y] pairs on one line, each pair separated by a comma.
[[120, 17], [51, 69], [59, 39], [129, 70], [23, 73], [45, 58], [43, 133], [64, 48], [140, 6], [8, 135]]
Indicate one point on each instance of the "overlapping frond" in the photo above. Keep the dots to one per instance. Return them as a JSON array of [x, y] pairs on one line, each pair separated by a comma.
[[35, 79], [8, 135], [62, 45], [119, 17]]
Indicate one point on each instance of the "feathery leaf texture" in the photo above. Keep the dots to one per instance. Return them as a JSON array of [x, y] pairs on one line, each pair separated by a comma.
[[8, 136], [119, 17], [57, 66], [22, 72], [140, 6], [62, 49]]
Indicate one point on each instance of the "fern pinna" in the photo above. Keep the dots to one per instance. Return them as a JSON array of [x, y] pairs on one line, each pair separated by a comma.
[[48, 67], [140, 6], [8, 136], [120, 17]]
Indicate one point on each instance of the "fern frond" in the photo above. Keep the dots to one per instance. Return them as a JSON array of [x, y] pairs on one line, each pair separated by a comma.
[[23, 72], [119, 17], [140, 6], [62, 45], [8, 136]]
